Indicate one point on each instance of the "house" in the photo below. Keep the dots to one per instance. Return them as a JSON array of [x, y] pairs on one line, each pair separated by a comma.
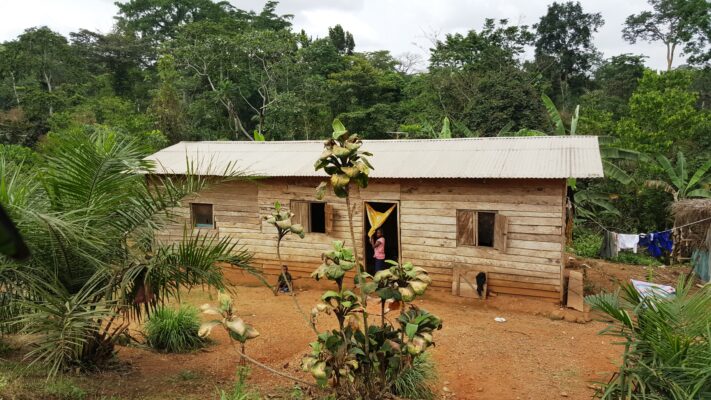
[[692, 236], [495, 205]]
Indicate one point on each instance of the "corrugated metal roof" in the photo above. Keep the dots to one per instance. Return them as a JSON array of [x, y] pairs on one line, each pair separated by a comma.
[[501, 157]]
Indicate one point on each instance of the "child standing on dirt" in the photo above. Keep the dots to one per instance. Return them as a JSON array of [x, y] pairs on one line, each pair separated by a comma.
[[378, 243]]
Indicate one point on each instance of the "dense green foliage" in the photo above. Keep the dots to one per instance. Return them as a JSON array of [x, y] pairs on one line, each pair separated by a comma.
[[205, 70], [667, 343], [174, 331]]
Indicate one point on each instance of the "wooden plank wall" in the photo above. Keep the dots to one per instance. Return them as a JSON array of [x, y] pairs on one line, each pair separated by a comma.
[[531, 264]]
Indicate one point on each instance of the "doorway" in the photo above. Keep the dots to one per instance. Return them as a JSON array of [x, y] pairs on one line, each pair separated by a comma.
[[391, 233]]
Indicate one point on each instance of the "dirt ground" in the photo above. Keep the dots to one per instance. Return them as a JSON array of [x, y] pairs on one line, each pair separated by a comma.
[[530, 356]]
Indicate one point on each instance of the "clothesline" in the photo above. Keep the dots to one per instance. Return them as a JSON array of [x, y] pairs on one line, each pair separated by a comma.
[[668, 230]]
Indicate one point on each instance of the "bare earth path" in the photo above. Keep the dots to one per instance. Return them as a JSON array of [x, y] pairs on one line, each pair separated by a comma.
[[527, 357]]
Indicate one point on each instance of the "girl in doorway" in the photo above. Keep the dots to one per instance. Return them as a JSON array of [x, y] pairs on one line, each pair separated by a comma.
[[378, 243]]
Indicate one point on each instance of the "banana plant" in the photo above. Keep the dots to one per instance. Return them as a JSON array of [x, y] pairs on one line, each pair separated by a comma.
[[609, 152], [679, 185]]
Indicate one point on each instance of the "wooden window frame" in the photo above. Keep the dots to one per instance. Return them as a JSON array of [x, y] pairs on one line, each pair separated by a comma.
[[471, 217], [194, 223], [306, 220]]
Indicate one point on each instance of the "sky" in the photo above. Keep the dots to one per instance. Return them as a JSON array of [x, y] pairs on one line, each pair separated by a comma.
[[401, 26]]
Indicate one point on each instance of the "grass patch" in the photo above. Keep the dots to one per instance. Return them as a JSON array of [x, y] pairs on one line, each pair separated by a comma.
[[186, 375], [417, 381], [636, 259], [174, 331], [64, 389], [240, 390]]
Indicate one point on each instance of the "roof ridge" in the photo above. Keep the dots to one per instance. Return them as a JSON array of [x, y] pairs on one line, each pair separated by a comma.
[[492, 138]]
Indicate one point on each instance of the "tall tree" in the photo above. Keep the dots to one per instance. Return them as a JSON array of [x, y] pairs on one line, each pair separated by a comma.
[[494, 47], [343, 40], [664, 115], [124, 56], [167, 107], [564, 47], [675, 23], [161, 19], [47, 58]]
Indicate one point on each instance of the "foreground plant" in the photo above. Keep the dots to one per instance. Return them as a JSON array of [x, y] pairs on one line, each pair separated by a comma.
[[90, 218], [280, 218], [667, 343], [236, 328], [358, 359]]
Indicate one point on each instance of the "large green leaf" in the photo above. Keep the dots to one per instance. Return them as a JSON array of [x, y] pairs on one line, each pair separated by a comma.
[[614, 172], [699, 175], [446, 132], [703, 193], [670, 171], [338, 129], [681, 170], [554, 115], [574, 120]]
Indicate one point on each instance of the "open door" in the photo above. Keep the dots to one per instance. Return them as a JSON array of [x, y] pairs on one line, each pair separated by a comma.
[[391, 233]]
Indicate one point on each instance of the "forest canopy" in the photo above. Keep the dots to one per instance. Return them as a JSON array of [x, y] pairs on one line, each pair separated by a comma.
[[207, 70]]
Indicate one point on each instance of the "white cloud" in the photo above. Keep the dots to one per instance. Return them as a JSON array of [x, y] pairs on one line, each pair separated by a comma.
[[396, 25]]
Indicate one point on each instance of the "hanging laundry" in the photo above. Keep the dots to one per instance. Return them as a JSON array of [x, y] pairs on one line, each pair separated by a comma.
[[627, 241], [609, 245], [657, 243]]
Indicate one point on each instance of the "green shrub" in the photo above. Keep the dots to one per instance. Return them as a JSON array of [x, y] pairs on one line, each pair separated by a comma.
[[417, 381], [64, 389], [586, 243], [174, 331]]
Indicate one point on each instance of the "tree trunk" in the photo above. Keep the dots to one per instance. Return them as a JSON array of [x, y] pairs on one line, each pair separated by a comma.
[[49, 89], [358, 267], [671, 48], [14, 88]]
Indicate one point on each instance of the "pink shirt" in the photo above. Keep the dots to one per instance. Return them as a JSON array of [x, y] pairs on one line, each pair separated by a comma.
[[379, 249]]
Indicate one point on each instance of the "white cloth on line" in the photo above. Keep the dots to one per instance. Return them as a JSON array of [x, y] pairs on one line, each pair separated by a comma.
[[626, 241]]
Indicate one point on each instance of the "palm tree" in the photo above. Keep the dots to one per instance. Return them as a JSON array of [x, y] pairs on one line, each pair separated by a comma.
[[89, 216], [679, 185], [667, 342]]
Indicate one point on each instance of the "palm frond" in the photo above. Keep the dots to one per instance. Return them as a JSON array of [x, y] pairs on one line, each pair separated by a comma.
[[667, 343]]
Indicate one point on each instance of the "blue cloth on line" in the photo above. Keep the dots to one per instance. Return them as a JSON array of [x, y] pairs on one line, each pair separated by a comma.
[[657, 242]]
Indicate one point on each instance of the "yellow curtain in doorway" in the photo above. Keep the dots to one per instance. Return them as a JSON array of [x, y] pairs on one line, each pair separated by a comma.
[[377, 219]]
